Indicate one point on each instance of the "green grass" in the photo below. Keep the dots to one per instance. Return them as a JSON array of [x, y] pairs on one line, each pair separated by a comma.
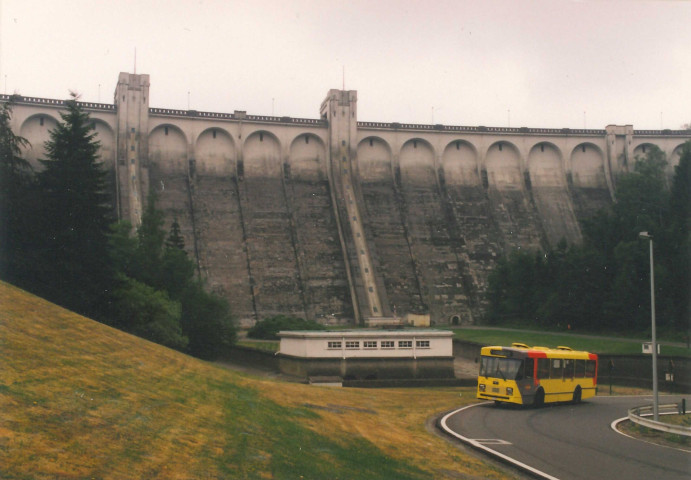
[[492, 336], [81, 400]]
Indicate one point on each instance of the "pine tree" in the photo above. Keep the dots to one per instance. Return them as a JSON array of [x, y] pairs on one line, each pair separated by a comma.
[[76, 215], [16, 182]]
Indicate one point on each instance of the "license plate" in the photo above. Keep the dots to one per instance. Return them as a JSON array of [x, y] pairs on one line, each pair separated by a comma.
[[495, 390]]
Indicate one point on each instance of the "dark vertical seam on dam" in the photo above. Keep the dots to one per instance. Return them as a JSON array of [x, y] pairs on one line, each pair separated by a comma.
[[236, 183], [297, 252], [195, 232], [403, 211]]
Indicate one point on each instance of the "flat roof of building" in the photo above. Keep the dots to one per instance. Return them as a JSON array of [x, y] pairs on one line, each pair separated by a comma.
[[406, 332]]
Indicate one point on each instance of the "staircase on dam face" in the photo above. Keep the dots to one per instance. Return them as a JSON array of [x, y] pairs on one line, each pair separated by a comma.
[[273, 267], [516, 218], [471, 212], [322, 269], [221, 248], [436, 253], [385, 229], [556, 213]]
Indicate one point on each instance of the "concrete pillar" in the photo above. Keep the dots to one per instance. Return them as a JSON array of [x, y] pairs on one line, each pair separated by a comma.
[[132, 145], [340, 110]]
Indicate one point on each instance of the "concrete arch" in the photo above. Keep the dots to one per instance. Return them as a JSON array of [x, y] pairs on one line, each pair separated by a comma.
[[374, 160], [417, 163], [545, 166], [168, 149], [460, 164], [214, 153], [587, 166], [36, 129], [261, 155], [503, 166], [674, 158], [307, 158], [105, 135], [642, 150]]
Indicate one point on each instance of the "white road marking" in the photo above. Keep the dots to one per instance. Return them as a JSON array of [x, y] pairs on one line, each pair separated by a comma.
[[478, 444]]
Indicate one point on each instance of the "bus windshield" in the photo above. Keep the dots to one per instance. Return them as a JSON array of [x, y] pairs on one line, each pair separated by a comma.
[[504, 368]]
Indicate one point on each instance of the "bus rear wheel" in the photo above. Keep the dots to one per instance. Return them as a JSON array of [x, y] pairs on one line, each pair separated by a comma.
[[539, 399], [577, 395]]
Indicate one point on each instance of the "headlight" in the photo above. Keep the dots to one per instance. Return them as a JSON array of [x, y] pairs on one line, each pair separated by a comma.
[[509, 390], [482, 387]]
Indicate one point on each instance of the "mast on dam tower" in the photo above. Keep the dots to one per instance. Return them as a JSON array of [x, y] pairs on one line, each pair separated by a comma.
[[131, 167], [369, 297]]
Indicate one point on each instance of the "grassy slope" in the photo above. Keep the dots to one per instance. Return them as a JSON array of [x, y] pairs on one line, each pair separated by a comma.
[[81, 400]]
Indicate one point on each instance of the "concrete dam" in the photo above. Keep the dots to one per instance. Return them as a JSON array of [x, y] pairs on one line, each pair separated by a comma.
[[346, 221]]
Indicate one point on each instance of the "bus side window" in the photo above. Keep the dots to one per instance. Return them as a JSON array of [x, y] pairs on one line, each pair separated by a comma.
[[568, 368], [542, 368], [557, 370], [590, 368], [529, 367], [580, 368]]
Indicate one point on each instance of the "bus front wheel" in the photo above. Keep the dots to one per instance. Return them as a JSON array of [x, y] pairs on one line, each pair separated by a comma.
[[539, 399], [577, 395]]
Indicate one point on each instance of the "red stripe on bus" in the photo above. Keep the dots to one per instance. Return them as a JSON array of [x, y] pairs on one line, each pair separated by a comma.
[[533, 354]]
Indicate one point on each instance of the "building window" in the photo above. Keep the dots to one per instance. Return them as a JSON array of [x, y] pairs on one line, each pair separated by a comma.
[[165, 130], [500, 147], [307, 139], [370, 344], [133, 131], [40, 121], [371, 142], [458, 145], [213, 133], [405, 344], [132, 148], [542, 147], [261, 137], [352, 344], [583, 148], [333, 345], [422, 343], [387, 344], [371, 289], [414, 143]]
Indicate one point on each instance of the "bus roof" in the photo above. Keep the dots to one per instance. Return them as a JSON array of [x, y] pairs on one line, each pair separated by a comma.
[[521, 350]]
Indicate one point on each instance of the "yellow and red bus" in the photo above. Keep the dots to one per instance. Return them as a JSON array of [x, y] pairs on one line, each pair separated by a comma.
[[536, 375]]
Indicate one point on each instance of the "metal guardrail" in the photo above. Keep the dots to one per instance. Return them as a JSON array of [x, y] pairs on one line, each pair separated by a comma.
[[638, 414]]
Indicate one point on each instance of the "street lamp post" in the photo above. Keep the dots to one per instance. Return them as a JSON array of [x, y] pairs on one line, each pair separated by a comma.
[[649, 237]]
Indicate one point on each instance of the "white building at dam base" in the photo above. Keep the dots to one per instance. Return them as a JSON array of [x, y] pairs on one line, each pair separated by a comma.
[[368, 354]]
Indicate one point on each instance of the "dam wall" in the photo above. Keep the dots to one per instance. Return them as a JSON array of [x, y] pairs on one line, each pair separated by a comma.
[[344, 221]]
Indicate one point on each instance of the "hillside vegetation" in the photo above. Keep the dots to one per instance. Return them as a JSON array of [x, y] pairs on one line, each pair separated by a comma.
[[79, 399]]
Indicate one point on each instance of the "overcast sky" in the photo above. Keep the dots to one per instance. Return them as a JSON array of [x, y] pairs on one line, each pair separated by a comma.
[[497, 63]]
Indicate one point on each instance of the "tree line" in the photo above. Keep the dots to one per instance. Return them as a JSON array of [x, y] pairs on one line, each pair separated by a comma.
[[59, 239], [603, 284]]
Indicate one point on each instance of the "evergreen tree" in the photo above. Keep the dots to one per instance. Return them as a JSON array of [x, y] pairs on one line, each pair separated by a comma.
[[604, 283], [75, 217], [156, 278], [16, 203]]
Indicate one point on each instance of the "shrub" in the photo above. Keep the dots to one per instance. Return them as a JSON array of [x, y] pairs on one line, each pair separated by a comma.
[[268, 328]]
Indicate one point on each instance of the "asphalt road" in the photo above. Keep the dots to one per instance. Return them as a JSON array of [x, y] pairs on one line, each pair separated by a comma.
[[571, 442]]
